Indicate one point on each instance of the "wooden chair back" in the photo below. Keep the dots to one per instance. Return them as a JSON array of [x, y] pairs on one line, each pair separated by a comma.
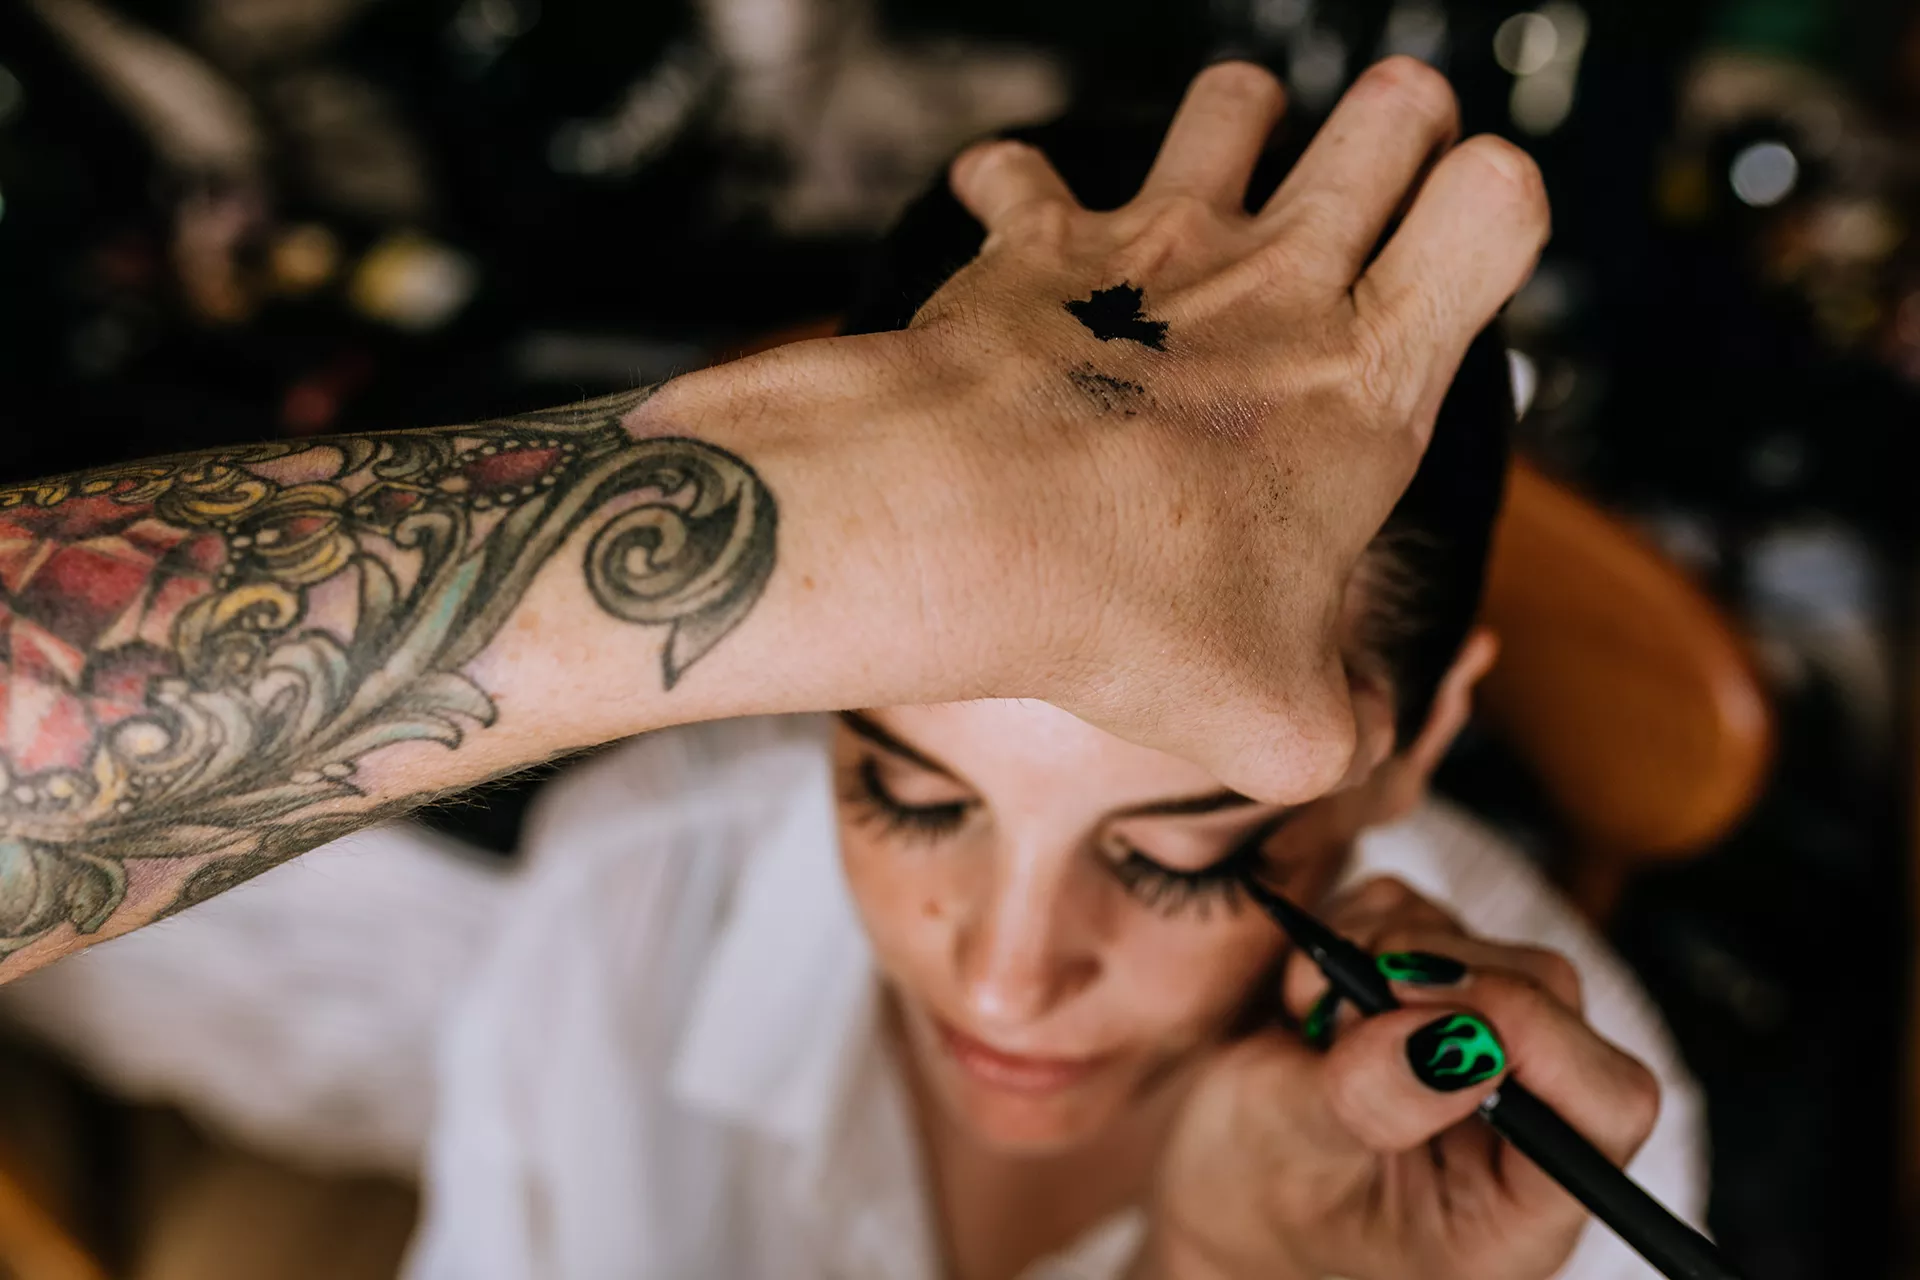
[[1621, 685]]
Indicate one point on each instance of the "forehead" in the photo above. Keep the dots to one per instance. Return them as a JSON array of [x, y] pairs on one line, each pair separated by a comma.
[[1029, 752]]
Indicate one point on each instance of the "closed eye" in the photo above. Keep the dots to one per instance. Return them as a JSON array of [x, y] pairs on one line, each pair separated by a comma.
[[1172, 890], [869, 796]]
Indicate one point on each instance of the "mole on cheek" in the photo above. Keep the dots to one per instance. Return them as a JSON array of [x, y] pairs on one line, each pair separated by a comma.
[[930, 909]]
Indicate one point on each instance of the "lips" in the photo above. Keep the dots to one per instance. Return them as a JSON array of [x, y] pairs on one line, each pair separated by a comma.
[[1011, 1072]]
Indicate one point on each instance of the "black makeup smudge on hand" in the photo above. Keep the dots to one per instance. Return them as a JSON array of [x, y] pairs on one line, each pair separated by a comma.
[[1107, 393], [1114, 313]]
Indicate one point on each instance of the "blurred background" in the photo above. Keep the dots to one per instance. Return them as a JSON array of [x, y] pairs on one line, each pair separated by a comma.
[[223, 219]]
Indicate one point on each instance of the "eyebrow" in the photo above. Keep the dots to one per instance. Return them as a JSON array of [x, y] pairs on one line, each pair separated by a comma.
[[869, 729], [1180, 807], [1187, 806]]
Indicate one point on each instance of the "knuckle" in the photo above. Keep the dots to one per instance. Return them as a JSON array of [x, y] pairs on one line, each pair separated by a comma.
[[1043, 220], [1174, 225], [1374, 384], [1000, 154], [1179, 213], [1509, 994], [1410, 935], [1422, 90], [1561, 977], [1384, 894], [1639, 1101]]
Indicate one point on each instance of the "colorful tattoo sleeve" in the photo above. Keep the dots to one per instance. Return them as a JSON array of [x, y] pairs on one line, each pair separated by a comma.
[[197, 652]]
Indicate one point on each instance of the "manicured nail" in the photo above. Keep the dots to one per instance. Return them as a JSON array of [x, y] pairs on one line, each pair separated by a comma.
[[1455, 1052], [1420, 968], [1318, 1028]]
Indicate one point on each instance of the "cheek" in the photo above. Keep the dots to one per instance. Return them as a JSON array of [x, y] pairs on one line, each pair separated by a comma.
[[902, 896], [1188, 979]]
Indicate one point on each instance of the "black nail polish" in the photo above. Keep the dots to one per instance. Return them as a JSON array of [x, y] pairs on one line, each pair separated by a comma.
[[1455, 1052], [1420, 968]]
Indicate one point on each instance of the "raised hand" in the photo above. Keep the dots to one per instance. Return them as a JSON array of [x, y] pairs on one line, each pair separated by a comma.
[[1364, 1161], [1184, 421]]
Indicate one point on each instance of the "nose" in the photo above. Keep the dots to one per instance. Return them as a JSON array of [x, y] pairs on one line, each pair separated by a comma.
[[1016, 954]]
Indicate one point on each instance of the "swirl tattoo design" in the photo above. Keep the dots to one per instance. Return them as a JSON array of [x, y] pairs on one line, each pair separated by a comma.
[[197, 651]]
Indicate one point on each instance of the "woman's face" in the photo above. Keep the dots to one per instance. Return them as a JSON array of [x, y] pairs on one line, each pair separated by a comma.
[[1053, 905]]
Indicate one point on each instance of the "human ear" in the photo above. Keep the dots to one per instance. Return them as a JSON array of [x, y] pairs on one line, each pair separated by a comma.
[[1452, 707]]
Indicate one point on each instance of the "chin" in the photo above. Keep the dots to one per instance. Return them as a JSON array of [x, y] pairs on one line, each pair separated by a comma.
[[1016, 1109], [1027, 1127]]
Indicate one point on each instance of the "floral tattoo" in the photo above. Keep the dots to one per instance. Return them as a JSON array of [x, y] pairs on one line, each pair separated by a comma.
[[197, 651]]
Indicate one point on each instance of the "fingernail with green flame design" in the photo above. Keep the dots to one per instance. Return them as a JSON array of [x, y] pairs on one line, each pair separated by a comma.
[[1318, 1028], [1420, 968], [1455, 1052]]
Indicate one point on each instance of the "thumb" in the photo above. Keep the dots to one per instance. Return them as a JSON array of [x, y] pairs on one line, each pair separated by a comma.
[[1387, 1085]]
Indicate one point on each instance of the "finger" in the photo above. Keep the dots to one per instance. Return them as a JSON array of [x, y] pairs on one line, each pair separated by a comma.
[[1362, 915], [1467, 244], [997, 180], [1364, 911], [1217, 135], [1379, 1098], [1421, 961], [1426, 965], [1601, 1091], [1360, 166]]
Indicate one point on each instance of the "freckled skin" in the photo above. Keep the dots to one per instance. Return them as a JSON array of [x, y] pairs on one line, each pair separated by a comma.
[[1010, 930]]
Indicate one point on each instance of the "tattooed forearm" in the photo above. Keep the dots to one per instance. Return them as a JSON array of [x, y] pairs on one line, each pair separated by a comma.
[[196, 652]]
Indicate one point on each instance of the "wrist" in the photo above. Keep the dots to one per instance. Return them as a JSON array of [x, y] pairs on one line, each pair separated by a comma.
[[885, 525]]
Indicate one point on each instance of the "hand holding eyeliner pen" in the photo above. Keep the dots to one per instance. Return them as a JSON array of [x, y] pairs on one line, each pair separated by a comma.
[[1674, 1248]]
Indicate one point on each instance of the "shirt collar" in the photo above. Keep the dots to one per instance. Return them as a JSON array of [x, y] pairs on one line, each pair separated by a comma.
[[787, 1001], [784, 1034]]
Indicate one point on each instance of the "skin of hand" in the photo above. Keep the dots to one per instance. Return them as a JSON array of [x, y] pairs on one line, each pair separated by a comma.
[[1175, 574], [1125, 463], [1292, 1163]]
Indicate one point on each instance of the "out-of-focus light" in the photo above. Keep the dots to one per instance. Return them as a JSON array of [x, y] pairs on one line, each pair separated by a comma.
[[1542, 49], [1764, 174], [1862, 232], [11, 94], [1279, 17], [1777, 460], [1316, 66], [1416, 28], [484, 28], [1525, 43], [412, 282], [304, 257], [647, 118], [1540, 103], [1524, 375]]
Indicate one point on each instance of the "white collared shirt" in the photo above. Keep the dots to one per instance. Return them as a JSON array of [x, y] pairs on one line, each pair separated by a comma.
[[659, 1053], [686, 957]]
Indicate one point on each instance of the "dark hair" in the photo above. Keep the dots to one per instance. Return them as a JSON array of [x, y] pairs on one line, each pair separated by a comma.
[[1429, 561]]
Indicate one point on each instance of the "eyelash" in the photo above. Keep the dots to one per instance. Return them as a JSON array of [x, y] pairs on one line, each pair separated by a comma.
[[1167, 890], [1171, 891], [928, 822]]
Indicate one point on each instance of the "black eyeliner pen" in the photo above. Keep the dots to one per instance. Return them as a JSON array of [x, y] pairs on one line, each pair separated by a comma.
[[1674, 1248]]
